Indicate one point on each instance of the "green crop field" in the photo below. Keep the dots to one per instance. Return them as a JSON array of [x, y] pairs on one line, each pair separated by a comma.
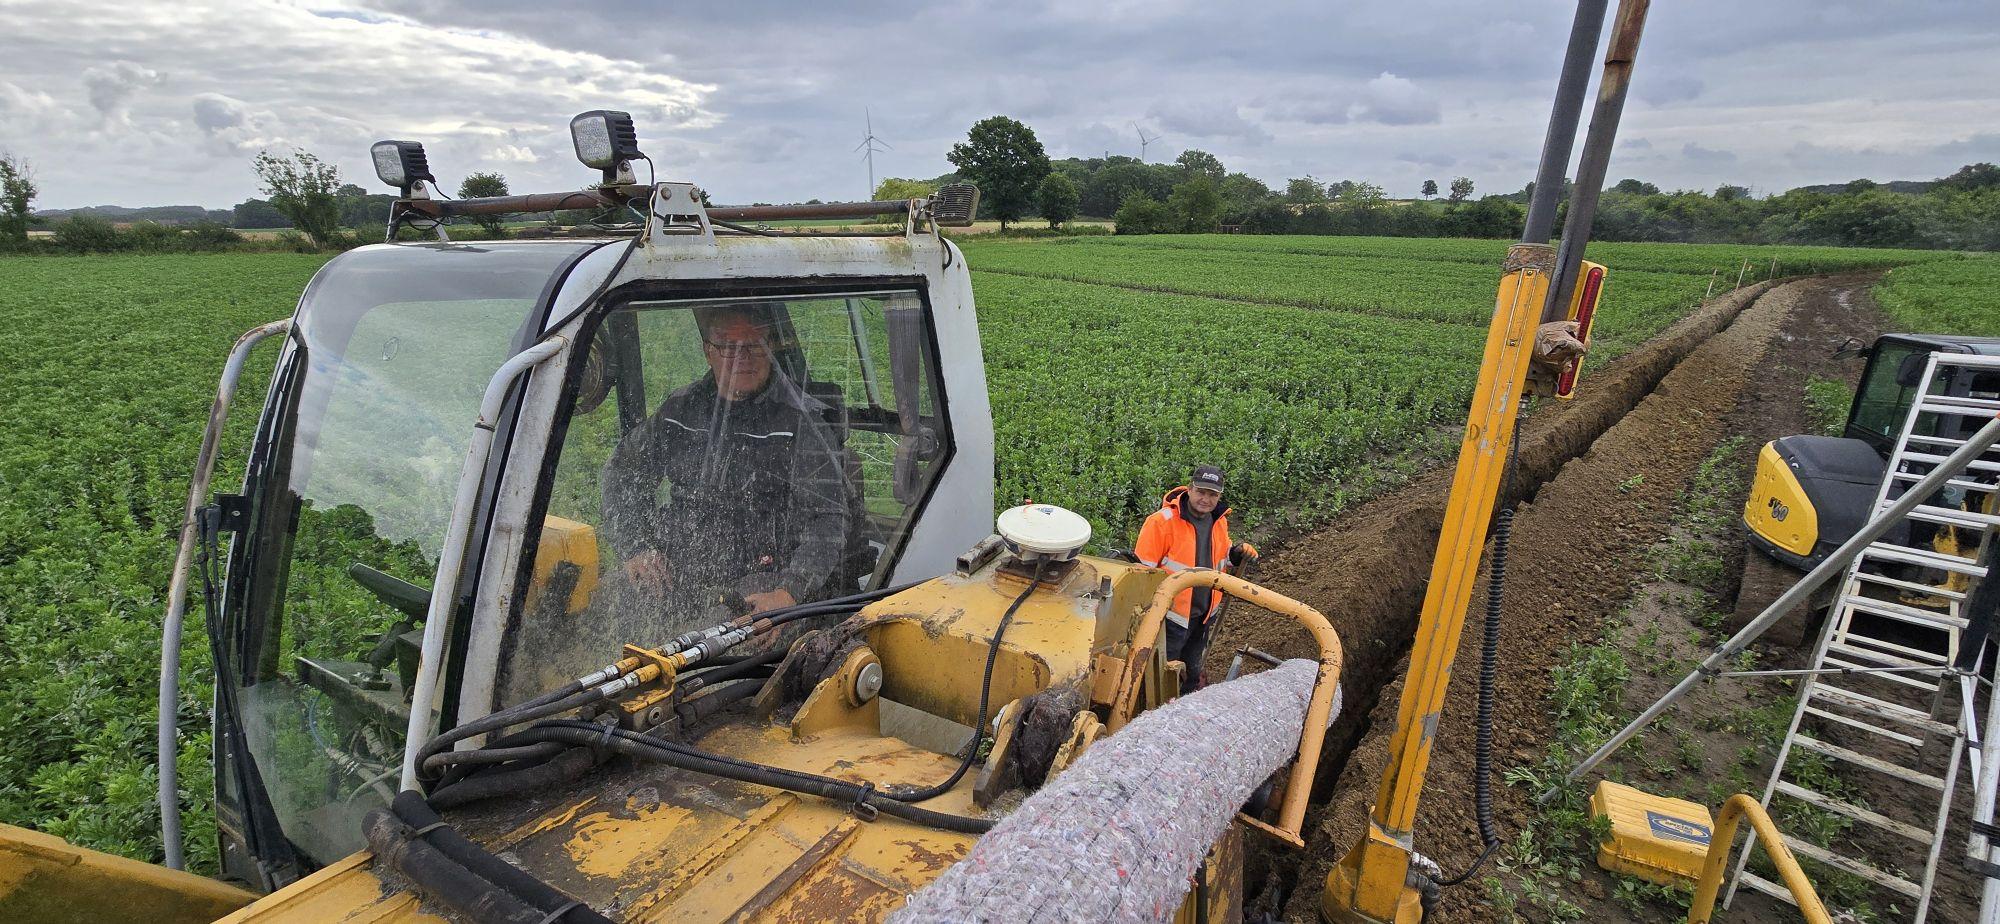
[[1954, 297], [1318, 370]]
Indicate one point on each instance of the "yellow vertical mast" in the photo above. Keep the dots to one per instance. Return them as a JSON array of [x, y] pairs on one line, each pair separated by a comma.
[[1368, 885]]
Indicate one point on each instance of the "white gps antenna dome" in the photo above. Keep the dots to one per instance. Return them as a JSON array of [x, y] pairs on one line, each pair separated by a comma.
[[1043, 531]]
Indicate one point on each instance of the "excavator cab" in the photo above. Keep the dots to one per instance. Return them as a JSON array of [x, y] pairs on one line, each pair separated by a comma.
[[860, 457], [1812, 492]]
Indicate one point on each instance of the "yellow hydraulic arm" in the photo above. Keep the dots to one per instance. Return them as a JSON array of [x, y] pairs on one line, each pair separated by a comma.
[[1367, 885]]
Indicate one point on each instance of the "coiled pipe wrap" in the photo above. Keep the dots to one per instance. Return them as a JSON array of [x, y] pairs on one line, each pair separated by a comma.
[[1117, 835]]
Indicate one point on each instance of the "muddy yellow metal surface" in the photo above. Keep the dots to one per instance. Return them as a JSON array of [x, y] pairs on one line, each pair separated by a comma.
[[1778, 508], [1655, 838], [646, 842], [44, 879]]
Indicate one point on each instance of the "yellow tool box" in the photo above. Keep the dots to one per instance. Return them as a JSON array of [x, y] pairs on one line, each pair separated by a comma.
[[1652, 837]]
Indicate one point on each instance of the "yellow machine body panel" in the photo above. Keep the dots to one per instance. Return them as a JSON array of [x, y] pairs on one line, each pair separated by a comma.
[[566, 562], [1654, 838], [648, 842], [45, 879], [1778, 509]]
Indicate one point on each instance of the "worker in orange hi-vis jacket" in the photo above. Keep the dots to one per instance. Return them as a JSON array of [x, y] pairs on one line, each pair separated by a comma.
[[1191, 530]]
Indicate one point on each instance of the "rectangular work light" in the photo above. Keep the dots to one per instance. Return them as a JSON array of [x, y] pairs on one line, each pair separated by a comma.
[[954, 204], [605, 139], [401, 163]]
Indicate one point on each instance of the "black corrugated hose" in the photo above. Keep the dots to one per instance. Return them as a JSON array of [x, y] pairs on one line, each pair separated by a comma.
[[1489, 669]]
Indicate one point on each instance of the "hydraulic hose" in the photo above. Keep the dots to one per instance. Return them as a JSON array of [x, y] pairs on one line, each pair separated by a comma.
[[431, 829], [565, 766], [1489, 669], [632, 744], [985, 692], [716, 699], [436, 875]]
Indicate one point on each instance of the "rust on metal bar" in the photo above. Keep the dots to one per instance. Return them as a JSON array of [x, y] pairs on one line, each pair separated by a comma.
[[821, 210], [1291, 816], [613, 196]]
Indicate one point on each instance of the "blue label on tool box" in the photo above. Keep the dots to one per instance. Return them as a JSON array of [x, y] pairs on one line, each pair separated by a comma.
[[1676, 829]]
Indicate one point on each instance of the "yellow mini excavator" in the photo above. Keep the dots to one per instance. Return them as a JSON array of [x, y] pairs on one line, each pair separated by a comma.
[[1813, 491]]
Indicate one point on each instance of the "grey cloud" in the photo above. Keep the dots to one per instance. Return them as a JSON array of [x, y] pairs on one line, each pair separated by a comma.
[[1701, 155], [1427, 159], [761, 99], [111, 86], [214, 112], [1209, 118], [1666, 89], [1393, 100], [1983, 147]]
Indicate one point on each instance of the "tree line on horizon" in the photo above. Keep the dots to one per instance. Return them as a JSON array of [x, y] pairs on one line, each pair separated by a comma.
[[1197, 193], [1194, 193]]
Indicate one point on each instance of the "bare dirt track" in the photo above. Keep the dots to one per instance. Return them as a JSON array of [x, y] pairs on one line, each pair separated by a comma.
[[1604, 476]]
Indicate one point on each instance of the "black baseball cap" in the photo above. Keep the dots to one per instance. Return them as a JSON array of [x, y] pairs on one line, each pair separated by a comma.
[[1206, 476]]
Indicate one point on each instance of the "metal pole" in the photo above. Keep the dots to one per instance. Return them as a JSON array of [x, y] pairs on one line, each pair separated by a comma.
[[1834, 564], [1583, 34], [177, 590], [452, 559], [1596, 157], [1711, 284]]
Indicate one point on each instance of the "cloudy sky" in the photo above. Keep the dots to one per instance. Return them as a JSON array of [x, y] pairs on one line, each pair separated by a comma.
[[141, 102]]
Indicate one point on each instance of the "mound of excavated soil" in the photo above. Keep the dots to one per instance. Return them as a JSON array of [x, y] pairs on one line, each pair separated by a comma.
[[1366, 571]]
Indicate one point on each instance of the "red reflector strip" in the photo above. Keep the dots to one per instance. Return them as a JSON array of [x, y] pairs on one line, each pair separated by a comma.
[[1586, 311]]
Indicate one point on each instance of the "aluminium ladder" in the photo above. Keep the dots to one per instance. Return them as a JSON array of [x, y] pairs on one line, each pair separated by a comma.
[[1881, 696]]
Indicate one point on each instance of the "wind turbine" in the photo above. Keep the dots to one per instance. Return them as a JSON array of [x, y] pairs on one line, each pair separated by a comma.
[[1143, 141], [868, 144]]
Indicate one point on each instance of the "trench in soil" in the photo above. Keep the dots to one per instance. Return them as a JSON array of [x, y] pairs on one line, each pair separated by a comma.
[[1367, 572]]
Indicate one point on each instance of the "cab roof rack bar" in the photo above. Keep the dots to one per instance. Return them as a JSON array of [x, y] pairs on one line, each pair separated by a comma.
[[950, 205]]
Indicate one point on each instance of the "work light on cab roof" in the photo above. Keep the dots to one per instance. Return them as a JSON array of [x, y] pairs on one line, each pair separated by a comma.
[[608, 140], [401, 164]]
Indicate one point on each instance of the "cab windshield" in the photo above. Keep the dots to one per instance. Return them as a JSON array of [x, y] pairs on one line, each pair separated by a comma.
[[722, 457], [391, 352]]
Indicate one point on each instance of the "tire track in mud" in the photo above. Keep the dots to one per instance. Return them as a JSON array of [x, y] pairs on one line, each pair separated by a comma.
[[1367, 571]]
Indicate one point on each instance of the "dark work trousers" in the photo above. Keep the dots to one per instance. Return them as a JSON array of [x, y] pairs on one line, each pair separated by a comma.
[[1187, 646]]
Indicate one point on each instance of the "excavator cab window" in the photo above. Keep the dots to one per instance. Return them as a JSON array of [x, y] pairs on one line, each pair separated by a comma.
[[351, 486], [724, 455], [1887, 388]]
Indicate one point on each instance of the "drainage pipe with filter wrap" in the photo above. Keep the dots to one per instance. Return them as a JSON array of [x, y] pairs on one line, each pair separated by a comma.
[[1117, 835]]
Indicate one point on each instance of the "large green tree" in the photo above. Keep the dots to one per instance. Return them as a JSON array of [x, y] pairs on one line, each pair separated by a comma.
[[17, 197], [481, 186], [896, 188], [1461, 189], [304, 189], [1056, 198], [1304, 190], [1201, 163], [1196, 206], [1003, 157]]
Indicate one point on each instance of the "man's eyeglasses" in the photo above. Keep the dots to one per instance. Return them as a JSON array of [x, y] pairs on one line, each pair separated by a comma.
[[736, 348]]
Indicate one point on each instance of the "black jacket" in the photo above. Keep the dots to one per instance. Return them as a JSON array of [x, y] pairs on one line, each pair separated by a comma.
[[753, 485]]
